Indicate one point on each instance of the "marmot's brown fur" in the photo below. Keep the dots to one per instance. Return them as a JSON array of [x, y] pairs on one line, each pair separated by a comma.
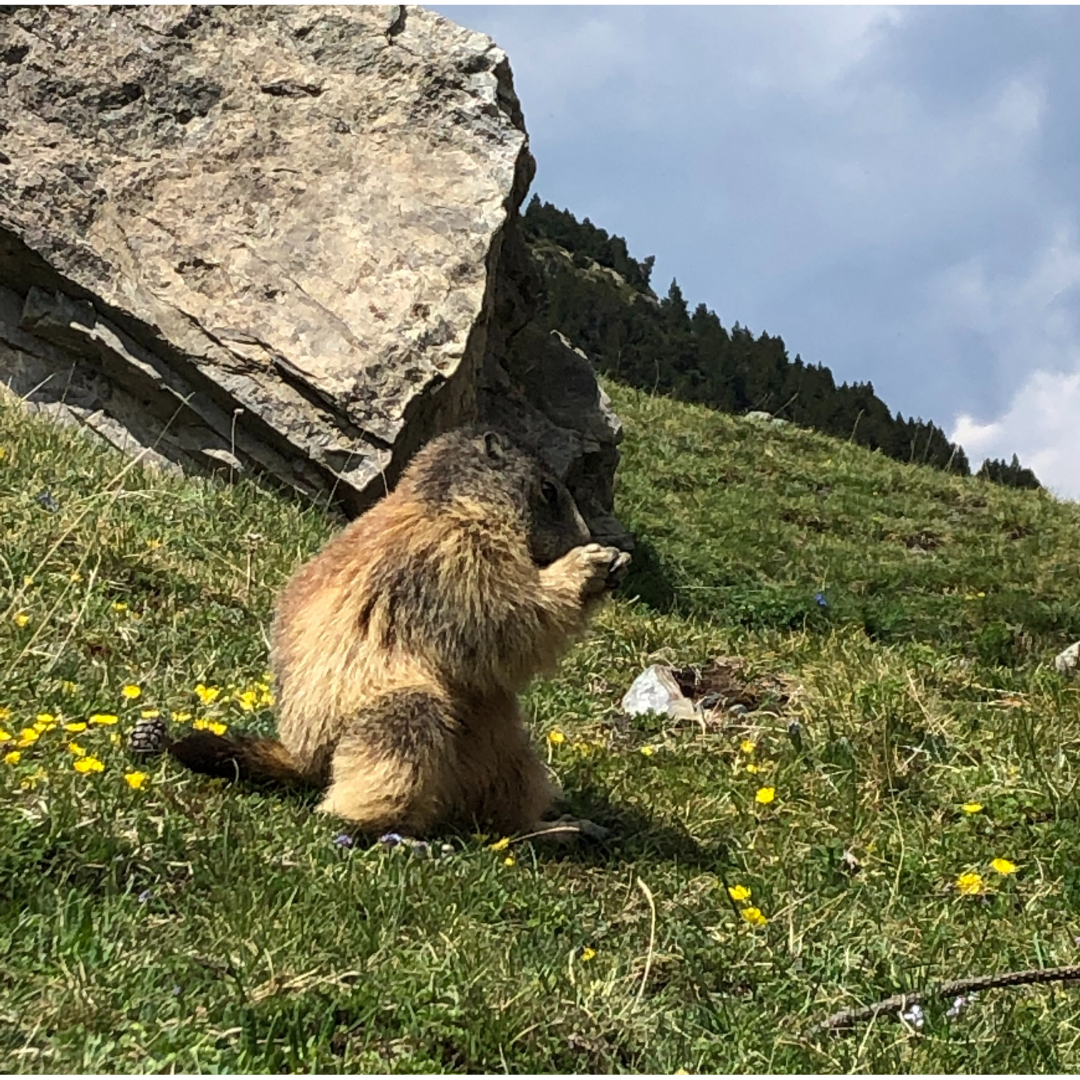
[[400, 648]]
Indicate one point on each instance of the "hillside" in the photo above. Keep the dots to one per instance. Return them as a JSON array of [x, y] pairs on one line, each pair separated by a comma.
[[168, 923], [599, 296]]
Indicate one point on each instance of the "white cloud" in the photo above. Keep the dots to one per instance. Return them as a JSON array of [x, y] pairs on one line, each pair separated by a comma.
[[1027, 328], [894, 190], [1042, 425]]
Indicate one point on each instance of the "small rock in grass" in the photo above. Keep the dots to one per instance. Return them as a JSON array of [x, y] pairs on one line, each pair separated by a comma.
[[1067, 662], [656, 691], [794, 730], [849, 864]]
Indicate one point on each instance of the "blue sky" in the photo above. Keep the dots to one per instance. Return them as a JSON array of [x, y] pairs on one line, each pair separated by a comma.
[[895, 191]]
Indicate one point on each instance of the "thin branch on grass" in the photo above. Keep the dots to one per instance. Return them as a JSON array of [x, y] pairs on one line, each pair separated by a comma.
[[847, 1018], [652, 939]]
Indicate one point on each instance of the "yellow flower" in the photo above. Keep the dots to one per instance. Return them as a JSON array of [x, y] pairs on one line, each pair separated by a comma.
[[131, 691], [68, 687], [28, 783], [648, 751], [150, 714], [509, 860], [207, 694], [5, 713], [12, 757], [587, 954], [751, 767], [971, 807], [765, 795], [114, 738], [970, 884], [738, 893], [104, 718], [211, 725], [21, 619], [556, 737], [88, 765], [247, 700], [181, 717], [753, 916], [1003, 866], [75, 576], [44, 722], [119, 606], [153, 545], [135, 779], [5, 736], [75, 727], [76, 749], [500, 845], [747, 746], [28, 736]]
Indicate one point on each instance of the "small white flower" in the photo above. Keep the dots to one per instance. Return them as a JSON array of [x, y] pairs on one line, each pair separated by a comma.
[[913, 1016]]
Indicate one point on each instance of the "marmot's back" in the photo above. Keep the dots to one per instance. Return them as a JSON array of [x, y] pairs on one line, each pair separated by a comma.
[[426, 587]]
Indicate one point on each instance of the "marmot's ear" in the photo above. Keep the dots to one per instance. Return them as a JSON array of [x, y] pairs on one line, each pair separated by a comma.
[[496, 445]]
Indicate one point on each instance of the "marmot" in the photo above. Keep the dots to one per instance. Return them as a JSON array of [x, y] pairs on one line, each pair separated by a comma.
[[400, 649]]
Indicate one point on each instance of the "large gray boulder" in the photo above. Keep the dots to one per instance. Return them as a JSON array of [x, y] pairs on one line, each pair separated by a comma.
[[280, 239]]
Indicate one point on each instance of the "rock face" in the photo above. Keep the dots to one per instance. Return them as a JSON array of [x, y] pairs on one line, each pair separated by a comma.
[[1068, 661], [280, 239]]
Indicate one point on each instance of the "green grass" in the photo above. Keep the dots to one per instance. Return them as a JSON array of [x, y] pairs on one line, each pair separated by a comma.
[[192, 926]]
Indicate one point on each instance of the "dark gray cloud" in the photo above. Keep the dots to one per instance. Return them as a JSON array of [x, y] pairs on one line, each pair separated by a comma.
[[894, 190]]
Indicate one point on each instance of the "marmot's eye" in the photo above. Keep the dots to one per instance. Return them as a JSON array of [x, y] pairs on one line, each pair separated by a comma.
[[550, 492]]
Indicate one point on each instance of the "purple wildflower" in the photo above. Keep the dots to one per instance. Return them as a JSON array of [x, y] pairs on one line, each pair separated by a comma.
[[391, 839], [343, 840], [144, 896], [819, 599]]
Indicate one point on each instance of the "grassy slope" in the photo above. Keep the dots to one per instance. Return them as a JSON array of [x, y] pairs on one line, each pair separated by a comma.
[[191, 926]]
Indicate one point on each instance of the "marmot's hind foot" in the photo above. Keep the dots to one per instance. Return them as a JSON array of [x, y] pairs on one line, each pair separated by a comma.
[[148, 737]]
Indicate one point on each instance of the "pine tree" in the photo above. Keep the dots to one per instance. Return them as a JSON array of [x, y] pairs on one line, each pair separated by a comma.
[[658, 345]]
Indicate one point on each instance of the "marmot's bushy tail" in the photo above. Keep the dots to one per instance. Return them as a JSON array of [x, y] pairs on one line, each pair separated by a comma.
[[233, 757], [236, 757]]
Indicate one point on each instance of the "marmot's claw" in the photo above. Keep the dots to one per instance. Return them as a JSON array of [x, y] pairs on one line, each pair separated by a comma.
[[617, 571], [593, 565], [568, 829]]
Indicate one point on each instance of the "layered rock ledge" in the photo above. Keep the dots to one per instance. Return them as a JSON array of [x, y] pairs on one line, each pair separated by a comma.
[[278, 239]]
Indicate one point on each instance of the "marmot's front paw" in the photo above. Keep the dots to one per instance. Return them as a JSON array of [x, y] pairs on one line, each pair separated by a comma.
[[593, 565]]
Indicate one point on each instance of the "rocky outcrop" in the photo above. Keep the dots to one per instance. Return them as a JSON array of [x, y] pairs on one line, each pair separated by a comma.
[[280, 239]]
